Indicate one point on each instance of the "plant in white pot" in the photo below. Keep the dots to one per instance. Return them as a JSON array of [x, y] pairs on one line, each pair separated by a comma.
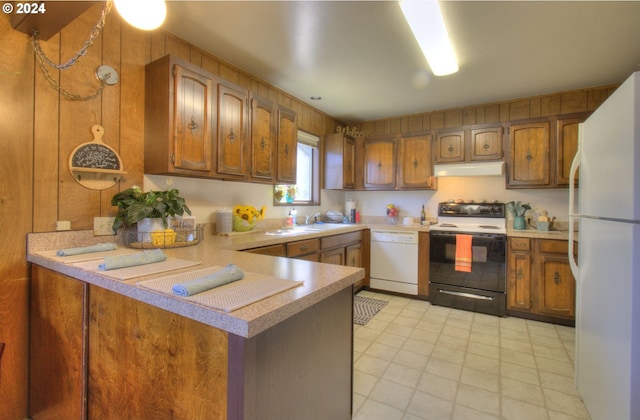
[[134, 206]]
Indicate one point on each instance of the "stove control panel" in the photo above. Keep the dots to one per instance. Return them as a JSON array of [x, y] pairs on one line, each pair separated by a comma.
[[493, 210]]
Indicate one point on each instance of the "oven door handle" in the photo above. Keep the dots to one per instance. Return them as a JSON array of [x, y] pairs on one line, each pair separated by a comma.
[[467, 295]]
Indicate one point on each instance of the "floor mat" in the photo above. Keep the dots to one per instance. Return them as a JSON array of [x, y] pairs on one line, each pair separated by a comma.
[[365, 308]]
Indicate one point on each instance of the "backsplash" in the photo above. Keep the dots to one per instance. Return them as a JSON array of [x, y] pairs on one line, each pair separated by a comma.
[[205, 197]]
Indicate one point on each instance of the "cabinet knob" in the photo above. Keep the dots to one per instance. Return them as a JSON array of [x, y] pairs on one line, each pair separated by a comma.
[[193, 126], [379, 165], [556, 277], [485, 146], [519, 274], [262, 143], [286, 149], [529, 156], [415, 163], [450, 148], [231, 136]]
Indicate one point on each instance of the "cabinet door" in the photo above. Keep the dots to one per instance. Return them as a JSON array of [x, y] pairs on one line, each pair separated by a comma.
[[450, 146], [380, 163], [263, 139], [232, 130], [353, 255], [486, 143], [334, 256], [192, 120], [519, 281], [287, 146], [415, 167], [529, 154], [556, 287], [567, 138], [349, 164], [339, 161]]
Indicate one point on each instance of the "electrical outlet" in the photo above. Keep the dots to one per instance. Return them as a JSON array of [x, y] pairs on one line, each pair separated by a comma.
[[103, 226], [63, 225]]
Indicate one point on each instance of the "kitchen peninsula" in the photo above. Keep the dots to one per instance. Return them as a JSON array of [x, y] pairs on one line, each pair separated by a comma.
[[107, 349]]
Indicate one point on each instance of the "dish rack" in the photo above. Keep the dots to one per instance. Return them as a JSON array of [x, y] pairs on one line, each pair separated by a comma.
[[177, 238]]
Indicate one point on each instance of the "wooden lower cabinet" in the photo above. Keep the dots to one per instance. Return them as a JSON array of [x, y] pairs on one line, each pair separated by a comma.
[[96, 354], [57, 381], [540, 284]]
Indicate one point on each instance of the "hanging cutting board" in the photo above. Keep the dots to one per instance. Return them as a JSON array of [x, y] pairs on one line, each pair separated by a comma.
[[94, 164]]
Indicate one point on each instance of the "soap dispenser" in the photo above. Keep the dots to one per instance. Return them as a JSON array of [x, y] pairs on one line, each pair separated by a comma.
[[294, 215]]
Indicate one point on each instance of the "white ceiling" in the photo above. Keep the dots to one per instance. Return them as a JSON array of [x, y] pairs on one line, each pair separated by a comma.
[[361, 58]]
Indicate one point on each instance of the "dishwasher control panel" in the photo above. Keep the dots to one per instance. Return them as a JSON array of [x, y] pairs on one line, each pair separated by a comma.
[[396, 236]]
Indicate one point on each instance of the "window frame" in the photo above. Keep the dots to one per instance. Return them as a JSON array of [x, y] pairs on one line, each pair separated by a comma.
[[313, 141]]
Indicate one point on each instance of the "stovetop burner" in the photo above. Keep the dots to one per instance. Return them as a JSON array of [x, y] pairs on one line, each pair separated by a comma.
[[471, 217]]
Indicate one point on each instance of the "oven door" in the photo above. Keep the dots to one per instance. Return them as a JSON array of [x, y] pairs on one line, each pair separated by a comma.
[[488, 265]]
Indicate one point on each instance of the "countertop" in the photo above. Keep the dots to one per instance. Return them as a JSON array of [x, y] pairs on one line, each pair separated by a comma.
[[320, 280]]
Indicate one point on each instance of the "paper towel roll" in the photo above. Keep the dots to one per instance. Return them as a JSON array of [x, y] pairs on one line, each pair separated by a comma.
[[348, 206]]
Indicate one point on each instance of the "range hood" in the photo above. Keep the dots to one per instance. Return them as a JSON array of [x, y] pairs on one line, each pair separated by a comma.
[[469, 169]]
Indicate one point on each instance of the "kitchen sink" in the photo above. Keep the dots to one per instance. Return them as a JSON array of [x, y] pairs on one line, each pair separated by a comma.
[[320, 227]]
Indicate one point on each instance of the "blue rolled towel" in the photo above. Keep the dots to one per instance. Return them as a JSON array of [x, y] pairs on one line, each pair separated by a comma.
[[131, 260], [227, 275], [108, 246]]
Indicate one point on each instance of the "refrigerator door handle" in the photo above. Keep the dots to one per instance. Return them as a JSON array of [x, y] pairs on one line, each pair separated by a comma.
[[572, 210]]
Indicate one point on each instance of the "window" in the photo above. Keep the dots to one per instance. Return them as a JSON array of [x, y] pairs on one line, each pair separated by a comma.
[[306, 191]]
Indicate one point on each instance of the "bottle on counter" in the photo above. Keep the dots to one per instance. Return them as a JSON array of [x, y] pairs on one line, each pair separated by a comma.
[[423, 215], [294, 215]]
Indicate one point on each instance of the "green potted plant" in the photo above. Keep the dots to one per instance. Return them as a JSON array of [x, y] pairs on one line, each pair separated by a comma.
[[135, 205], [517, 209]]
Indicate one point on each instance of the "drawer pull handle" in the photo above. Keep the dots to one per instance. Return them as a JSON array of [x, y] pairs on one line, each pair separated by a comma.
[[467, 295], [193, 126], [556, 277], [519, 273], [304, 248], [450, 149]]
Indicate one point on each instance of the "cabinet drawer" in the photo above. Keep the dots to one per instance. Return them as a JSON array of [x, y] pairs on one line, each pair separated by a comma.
[[302, 247], [553, 246], [340, 240], [520, 244], [273, 250]]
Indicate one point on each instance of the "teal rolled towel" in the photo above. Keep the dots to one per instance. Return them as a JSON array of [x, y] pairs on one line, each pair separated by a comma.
[[131, 260], [227, 275], [108, 246]]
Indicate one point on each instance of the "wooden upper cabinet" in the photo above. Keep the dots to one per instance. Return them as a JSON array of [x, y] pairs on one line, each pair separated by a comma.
[[287, 146], [380, 163], [450, 146], [486, 143], [529, 146], [179, 115], [567, 146], [263, 139], [339, 161], [233, 130], [415, 167]]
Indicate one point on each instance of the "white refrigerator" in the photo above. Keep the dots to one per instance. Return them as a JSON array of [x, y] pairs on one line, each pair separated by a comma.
[[606, 208]]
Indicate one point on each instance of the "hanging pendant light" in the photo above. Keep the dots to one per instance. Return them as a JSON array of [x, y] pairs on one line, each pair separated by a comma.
[[143, 14]]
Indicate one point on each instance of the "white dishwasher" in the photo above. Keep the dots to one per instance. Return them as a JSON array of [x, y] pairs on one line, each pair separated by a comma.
[[394, 261]]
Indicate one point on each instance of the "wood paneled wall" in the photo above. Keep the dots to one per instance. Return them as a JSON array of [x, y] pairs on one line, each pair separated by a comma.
[[511, 110], [39, 129]]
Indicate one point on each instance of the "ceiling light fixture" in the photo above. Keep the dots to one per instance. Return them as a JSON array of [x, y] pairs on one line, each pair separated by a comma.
[[425, 20], [143, 14]]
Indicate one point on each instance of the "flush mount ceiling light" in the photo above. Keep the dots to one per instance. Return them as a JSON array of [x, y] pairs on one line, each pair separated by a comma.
[[143, 14], [425, 20]]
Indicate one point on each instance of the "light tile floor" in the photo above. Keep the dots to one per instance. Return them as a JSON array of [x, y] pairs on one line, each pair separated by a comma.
[[414, 361]]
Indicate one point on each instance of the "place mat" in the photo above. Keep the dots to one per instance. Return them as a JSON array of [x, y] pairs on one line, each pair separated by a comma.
[[229, 297], [139, 270], [72, 259]]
